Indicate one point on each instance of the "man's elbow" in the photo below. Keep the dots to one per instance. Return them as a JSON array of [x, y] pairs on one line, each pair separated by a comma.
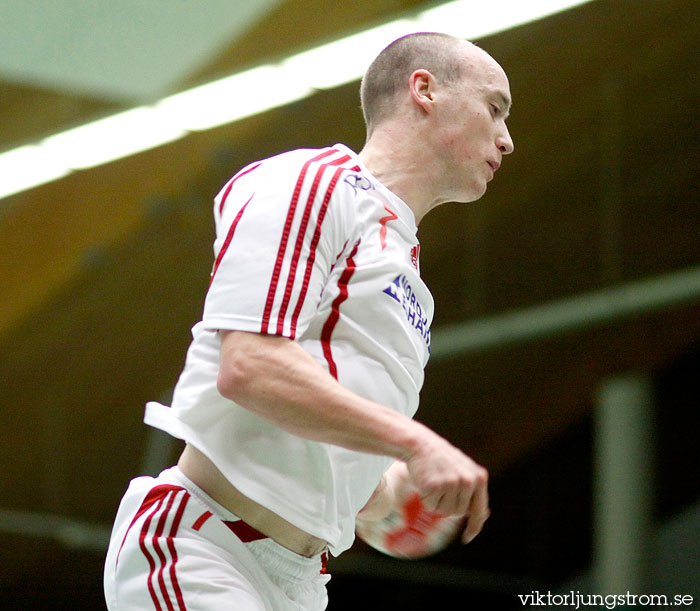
[[248, 363], [233, 380]]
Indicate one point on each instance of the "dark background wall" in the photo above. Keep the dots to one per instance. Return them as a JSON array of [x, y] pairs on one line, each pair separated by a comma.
[[103, 273]]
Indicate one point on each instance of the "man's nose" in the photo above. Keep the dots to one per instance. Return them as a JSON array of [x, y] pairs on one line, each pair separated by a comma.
[[504, 142]]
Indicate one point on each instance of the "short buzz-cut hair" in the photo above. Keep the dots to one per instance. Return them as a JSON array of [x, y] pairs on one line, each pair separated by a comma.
[[388, 74]]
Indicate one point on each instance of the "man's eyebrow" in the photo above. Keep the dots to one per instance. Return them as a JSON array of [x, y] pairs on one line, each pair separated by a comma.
[[505, 100]]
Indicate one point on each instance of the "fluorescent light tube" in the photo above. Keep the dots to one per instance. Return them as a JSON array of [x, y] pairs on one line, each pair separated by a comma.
[[26, 167], [232, 98], [112, 138], [469, 19], [344, 60]]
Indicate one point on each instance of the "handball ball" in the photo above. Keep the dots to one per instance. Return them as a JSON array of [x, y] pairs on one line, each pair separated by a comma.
[[411, 531]]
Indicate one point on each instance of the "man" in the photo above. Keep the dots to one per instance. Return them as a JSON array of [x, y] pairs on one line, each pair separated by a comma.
[[297, 396]]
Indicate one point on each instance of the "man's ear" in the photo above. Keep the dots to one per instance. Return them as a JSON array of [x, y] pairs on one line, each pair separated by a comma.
[[421, 86]]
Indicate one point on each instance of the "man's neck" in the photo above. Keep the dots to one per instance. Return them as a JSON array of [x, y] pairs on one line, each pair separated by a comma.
[[405, 171]]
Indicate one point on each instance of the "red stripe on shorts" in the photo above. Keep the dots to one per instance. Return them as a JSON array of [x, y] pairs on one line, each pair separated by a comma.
[[161, 499], [161, 555], [151, 562], [201, 520], [173, 554], [157, 493]]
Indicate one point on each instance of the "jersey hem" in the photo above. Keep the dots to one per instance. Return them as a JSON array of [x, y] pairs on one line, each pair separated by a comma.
[[159, 416], [236, 324]]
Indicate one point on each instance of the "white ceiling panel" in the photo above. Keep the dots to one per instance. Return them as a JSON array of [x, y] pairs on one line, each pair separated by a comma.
[[119, 50]]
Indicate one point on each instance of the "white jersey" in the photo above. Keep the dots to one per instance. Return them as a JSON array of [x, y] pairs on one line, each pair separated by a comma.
[[310, 246]]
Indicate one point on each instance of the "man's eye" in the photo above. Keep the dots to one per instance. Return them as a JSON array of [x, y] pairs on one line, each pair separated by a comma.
[[496, 109]]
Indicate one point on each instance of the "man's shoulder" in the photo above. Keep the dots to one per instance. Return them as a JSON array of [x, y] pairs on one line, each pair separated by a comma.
[[314, 169], [338, 154], [280, 171]]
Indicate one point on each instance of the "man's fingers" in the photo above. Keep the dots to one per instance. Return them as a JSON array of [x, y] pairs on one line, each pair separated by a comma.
[[471, 502], [478, 514], [474, 527], [455, 502], [432, 502], [459, 499]]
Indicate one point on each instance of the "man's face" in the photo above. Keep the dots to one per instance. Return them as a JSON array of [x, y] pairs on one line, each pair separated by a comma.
[[471, 127]]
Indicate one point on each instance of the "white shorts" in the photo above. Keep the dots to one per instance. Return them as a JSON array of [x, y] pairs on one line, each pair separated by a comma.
[[173, 548]]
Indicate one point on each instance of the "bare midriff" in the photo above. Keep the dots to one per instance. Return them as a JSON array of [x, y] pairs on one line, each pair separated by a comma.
[[203, 473]]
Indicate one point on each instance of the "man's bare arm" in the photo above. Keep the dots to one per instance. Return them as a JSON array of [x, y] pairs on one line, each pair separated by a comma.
[[278, 380]]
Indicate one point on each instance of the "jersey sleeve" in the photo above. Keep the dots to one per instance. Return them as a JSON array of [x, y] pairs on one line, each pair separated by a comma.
[[280, 228]]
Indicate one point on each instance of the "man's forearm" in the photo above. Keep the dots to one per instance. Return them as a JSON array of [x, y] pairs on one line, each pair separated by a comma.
[[278, 380], [275, 378]]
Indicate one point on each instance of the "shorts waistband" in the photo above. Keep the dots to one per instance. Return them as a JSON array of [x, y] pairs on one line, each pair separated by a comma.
[[218, 510], [301, 566], [282, 561], [244, 531]]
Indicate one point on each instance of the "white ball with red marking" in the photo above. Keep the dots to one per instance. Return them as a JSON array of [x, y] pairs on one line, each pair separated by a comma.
[[411, 531]]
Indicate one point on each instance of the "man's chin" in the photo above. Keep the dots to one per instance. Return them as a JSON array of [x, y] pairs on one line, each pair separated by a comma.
[[472, 196]]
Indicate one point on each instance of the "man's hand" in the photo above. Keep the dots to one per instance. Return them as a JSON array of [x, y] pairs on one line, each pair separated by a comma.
[[468, 498], [397, 521], [450, 483]]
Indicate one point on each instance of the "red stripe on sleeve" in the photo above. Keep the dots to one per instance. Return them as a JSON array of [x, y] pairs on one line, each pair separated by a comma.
[[334, 316], [312, 249], [299, 245], [228, 239], [267, 314], [233, 180]]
